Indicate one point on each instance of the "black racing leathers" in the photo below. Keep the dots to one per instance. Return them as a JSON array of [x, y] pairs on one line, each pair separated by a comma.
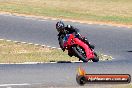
[[61, 35]]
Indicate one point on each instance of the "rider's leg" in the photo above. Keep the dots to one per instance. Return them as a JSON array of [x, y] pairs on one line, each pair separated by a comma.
[[84, 39], [87, 42]]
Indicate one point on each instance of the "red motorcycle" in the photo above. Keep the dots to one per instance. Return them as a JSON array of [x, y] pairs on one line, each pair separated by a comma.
[[79, 49]]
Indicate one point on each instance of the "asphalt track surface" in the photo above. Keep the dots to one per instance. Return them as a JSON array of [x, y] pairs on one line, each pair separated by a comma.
[[110, 40]]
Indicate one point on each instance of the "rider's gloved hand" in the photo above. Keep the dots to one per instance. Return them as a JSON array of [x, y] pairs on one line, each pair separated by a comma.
[[63, 49], [77, 35]]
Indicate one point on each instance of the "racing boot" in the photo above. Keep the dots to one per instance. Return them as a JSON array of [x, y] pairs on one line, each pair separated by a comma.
[[70, 54]]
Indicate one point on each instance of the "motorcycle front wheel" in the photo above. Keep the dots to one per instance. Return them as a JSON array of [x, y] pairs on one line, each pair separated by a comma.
[[79, 53], [96, 57]]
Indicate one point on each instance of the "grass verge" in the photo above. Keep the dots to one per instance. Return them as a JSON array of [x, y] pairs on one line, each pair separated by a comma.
[[122, 86], [114, 11], [11, 52]]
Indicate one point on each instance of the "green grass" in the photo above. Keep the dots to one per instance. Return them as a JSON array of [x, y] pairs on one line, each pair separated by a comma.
[[115, 11], [122, 86], [11, 52]]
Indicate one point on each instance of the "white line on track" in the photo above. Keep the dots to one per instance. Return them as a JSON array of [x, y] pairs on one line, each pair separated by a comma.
[[36, 44], [16, 41], [8, 40], [30, 43], [7, 85], [23, 42], [54, 47], [1, 39]]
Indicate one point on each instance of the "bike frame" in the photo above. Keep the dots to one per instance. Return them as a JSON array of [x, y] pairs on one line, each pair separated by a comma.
[[75, 41]]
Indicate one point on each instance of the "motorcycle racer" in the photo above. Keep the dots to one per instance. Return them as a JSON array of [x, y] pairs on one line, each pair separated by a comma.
[[68, 29]]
